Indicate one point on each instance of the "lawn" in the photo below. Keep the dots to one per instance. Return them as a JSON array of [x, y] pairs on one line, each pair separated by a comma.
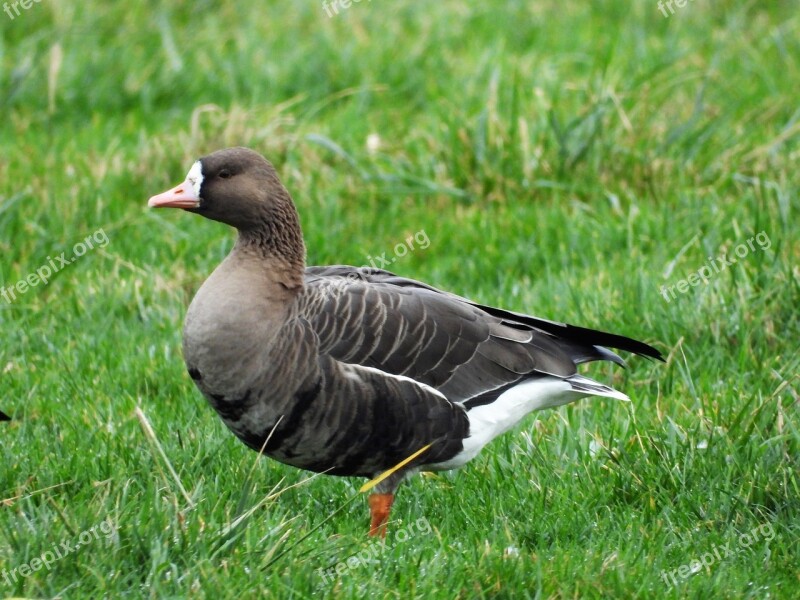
[[596, 163]]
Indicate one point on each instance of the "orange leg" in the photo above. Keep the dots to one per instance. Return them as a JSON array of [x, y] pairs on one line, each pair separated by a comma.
[[379, 507]]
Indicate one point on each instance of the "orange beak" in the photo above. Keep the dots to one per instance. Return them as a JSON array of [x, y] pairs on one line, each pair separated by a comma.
[[181, 196]]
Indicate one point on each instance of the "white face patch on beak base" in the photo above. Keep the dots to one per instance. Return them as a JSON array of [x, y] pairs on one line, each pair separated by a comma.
[[184, 195], [195, 177]]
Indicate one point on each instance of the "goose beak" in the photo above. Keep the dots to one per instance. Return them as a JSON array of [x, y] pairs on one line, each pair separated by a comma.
[[181, 196]]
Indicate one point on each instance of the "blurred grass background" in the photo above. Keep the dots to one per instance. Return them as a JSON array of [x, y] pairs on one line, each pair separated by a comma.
[[564, 159]]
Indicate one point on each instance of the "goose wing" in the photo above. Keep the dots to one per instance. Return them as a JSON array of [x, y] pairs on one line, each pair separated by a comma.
[[469, 352]]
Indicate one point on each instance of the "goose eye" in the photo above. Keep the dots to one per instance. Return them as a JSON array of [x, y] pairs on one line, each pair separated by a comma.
[[224, 174]]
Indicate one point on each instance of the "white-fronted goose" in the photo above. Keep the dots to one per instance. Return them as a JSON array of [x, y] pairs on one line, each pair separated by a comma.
[[349, 371]]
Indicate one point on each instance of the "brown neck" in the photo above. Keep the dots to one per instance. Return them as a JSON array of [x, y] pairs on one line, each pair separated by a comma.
[[278, 241]]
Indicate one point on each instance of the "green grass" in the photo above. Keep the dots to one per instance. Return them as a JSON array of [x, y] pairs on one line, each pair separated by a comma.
[[564, 158]]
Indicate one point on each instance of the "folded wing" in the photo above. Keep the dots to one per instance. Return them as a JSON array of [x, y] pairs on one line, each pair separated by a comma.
[[469, 352]]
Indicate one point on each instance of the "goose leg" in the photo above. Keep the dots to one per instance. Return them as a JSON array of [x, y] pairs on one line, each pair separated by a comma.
[[379, 507]]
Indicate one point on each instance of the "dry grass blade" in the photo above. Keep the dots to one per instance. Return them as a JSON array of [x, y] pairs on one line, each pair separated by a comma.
[[151, 436]]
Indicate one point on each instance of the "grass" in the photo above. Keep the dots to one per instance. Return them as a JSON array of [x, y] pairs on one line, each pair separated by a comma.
[[564, 158]]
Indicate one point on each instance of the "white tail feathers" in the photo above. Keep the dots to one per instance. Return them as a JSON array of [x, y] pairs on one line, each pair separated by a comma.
[[489, 421]]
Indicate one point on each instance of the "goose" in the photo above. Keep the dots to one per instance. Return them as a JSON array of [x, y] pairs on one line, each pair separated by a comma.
[[351, 371], [4, 416]]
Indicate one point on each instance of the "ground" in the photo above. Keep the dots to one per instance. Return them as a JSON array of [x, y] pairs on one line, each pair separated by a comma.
[[598, 163]]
